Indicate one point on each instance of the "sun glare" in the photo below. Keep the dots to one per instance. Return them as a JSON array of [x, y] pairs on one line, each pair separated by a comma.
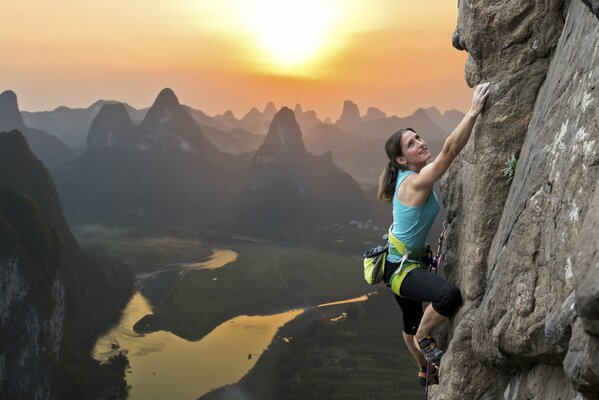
[[292, 34]]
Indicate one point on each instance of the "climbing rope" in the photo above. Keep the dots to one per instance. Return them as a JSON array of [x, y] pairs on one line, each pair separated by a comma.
[[434, 262], [428, 368]]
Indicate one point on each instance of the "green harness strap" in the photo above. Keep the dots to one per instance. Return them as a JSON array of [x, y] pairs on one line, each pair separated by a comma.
[[406, 265]]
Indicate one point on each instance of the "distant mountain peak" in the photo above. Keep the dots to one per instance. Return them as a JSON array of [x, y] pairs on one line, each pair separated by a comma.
[[284, 116], [229, 114], [433, 111], [165, 108], [8, 96], [166, 98], [253, 113], [111, 126], [270, 109], [374, 113], [350, 109], [285, 137], [298, 109], [350, 117], [421, 113], [101, 103], [10, 116]]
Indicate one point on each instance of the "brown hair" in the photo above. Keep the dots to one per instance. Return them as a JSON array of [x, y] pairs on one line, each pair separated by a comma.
[[388, 177]]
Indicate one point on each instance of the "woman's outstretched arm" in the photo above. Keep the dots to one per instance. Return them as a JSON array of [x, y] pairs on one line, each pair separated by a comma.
[[432, 172]]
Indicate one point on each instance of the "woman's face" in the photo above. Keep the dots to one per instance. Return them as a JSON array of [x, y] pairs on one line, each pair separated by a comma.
[[414, 149]]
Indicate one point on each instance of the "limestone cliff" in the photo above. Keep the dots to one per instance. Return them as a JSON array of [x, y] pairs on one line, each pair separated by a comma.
[[524, 254], [53, 298]]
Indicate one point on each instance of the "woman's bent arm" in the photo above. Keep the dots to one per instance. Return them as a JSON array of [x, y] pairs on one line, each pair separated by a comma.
[[432, 172]]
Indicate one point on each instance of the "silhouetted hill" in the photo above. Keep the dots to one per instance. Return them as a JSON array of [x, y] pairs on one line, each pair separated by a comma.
[[111, 127], [311, 188], [50, 150], [350, 117], [71, 125], [55, 297], [162, 171]]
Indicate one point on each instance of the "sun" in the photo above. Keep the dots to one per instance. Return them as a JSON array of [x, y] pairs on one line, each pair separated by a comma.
[[291, 34]]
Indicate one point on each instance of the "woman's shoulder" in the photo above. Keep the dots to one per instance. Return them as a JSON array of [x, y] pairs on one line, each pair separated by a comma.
[[406, 174]]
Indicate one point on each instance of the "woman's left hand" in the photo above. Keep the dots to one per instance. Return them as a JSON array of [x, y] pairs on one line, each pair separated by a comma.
[[480, 96]]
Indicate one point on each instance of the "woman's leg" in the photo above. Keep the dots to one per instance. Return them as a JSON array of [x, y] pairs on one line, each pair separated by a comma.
[[430, 320], [414, 351], [445, 298], [412, 314]]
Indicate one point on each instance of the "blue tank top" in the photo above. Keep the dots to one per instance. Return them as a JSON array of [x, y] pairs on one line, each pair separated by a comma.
[[412, 224]]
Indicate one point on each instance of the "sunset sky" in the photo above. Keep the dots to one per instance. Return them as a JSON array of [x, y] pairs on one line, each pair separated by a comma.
[[234, 54]]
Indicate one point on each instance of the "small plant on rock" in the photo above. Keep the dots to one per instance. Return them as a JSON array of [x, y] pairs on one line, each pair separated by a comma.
[[510, 168]]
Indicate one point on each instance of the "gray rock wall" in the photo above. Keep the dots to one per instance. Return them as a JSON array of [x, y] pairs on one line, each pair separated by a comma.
[[25, 332], [515, 250]]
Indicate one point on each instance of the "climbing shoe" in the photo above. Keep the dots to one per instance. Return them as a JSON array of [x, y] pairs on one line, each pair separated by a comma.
[[433, 376], [429, 349]]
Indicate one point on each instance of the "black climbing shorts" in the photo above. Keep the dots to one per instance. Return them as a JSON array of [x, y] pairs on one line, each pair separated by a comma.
[[420, 286]]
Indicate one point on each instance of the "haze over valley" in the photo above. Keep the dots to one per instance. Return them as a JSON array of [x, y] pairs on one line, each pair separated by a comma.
[[155, 196]]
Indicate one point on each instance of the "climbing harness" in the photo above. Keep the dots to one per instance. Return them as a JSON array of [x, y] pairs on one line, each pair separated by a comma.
[[406, 264]]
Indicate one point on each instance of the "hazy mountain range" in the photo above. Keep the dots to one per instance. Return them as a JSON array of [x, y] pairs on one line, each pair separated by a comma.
[[164, 169], [356, 141]]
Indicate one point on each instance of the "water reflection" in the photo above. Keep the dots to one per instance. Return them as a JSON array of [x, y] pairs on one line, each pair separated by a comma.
[[164, 365], [218, 259], [354, 300]]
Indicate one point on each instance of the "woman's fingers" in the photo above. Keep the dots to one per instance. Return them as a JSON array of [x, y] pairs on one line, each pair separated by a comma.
[[481, 92]]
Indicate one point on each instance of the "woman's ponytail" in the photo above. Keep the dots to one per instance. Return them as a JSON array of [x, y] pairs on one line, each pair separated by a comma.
[[389, 175], [387, 182]]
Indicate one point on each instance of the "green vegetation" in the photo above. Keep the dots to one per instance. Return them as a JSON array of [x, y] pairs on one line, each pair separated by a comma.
[[360, 357], [144, 252], [510, 168], [78, 376], [265, 279]]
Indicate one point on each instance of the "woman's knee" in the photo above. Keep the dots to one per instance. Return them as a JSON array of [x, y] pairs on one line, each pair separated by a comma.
[[449, 302], [453, 299]]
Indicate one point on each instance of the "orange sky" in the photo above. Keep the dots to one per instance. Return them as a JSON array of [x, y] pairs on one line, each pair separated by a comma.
[[234, 54]]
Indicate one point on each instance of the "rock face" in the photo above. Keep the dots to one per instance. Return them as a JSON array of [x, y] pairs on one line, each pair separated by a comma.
[[52, 298], [519, 252]]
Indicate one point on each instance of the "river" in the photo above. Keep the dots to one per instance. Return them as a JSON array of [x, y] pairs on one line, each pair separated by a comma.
[[164, 365]]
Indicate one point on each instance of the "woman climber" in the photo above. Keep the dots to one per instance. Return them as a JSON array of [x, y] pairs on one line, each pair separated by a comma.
[[407, 182]]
